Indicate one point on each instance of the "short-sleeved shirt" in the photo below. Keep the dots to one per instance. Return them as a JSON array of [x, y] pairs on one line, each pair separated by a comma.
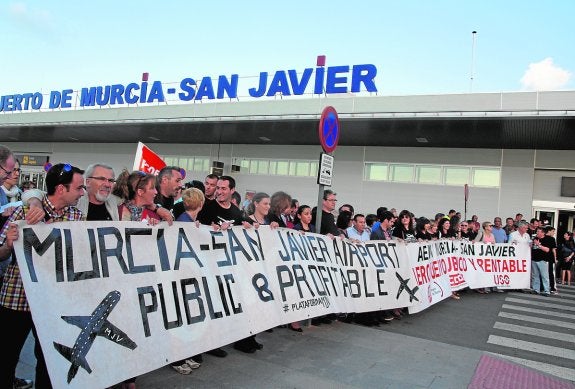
[[12, 294], [352, 233], [516, 237], [499, 234], [212, 211]]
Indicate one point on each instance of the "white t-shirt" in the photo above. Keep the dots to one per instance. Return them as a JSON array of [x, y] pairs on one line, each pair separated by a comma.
[[516, 237]]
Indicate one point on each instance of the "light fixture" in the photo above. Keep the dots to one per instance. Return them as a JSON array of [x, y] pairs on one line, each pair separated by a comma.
[[265, 139], [421, 140], [217, 168]]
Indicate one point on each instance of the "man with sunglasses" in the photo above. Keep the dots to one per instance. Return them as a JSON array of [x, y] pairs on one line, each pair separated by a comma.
[[65, 186], [9, 172]]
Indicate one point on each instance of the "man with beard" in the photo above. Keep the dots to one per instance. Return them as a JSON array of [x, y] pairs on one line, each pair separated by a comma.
[[9, 174], [168, 182], [65, 186], [99, 204]]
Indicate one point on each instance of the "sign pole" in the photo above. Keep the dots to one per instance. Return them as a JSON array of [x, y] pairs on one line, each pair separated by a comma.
[[466, 196], [319, 211], [329, 131]]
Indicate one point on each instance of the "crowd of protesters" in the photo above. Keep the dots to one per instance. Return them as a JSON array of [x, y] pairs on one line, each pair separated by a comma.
[[137, 196]]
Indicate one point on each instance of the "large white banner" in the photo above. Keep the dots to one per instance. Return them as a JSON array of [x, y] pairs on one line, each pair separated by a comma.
[[113, 300], [443, 266]]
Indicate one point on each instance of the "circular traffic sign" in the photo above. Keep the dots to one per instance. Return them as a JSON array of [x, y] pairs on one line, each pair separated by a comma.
[[329, 129]]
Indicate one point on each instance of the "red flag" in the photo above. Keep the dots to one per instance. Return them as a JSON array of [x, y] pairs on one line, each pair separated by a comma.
[[147, 161]]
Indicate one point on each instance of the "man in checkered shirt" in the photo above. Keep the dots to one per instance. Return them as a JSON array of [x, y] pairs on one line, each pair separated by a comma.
[[65, 186]]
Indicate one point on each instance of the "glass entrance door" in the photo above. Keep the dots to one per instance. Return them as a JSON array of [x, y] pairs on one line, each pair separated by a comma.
[[547, 217], [36, 176]]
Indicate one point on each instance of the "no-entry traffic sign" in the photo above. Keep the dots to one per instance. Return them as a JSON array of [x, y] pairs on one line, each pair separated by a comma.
[[329, 129]]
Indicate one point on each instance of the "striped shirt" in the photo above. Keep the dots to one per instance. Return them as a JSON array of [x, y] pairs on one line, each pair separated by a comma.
[[12, 294]]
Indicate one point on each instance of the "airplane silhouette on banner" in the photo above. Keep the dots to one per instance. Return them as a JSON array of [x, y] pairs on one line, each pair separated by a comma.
[[94, 325]]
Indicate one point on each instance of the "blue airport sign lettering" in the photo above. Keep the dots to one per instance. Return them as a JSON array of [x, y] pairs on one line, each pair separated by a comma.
[[319, 80]]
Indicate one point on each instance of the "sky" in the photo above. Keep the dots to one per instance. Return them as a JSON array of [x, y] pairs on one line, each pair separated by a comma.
[[418, 47]]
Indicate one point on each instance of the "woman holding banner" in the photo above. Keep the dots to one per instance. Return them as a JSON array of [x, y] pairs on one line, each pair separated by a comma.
[[138, 189]]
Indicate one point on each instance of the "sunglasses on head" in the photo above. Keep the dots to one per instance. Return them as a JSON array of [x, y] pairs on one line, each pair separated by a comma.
[[66, 169]]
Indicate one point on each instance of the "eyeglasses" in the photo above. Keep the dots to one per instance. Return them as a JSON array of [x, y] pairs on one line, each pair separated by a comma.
[[81, 187], [8, 174], [100, 178], [464, 225], [331, 200], [16, 170], [405, 217]]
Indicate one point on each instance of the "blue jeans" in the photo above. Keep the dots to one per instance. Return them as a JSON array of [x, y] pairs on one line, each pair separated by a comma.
[[540, 268]]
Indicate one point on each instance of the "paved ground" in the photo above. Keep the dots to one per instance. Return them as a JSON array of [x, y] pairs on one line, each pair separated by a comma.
[[416, 352]]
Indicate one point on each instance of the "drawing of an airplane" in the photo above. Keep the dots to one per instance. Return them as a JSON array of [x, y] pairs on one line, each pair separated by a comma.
[[94, 325]]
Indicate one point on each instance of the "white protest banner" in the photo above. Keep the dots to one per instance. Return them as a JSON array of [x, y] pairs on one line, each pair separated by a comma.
[[147, 161], [113, 300], [505, 265], [443, 266], [430, 272]]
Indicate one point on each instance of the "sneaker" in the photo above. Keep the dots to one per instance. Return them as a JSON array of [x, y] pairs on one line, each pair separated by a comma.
[[193, 364], [183, 368], [554, 292], [21, 383], [388, 317]]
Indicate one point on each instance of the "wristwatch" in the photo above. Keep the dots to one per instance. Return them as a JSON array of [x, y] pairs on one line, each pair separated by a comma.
[[158, 206]]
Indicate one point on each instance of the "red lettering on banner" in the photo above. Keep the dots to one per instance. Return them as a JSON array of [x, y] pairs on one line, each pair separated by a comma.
[[456, 279], [420, 275], [430, 271], [501, 279], [496, 265], [457, 264]]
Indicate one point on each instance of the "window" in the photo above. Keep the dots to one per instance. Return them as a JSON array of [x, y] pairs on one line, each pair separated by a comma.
[[488, 177], [313, 167], [301, 168], [482, 176], [282, 168], [376, 172], [456, 175], [262, 166], [428, 174], [195, 164], [253, 167], [201, 164], [401, 173]]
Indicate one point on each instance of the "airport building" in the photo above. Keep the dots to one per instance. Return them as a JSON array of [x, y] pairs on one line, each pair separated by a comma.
[[515, 151]]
